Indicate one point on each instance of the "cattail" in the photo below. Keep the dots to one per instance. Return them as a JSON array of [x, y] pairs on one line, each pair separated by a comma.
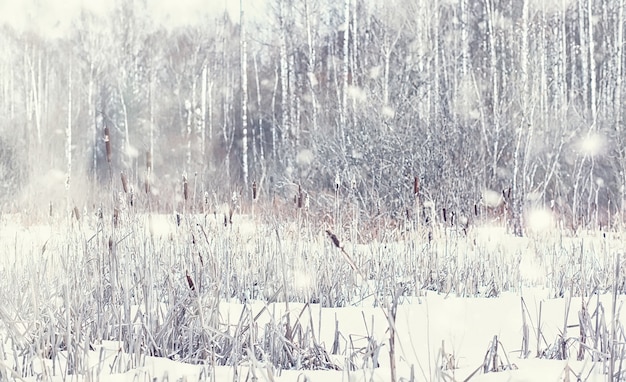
[[190, 281], [110, 244], [445, 216], [107, 143], [416, 186], [299, 197], [201, 259], [146, 184], [50, 209], [185, 188], [76, 213], [254, 190], [476, 209], [506, 194], [124, 182], [149, 161], [225, 220], [333, 238], [178, 219]]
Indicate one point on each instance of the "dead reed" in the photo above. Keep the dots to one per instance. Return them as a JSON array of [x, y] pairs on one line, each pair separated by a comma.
[[159, 288]]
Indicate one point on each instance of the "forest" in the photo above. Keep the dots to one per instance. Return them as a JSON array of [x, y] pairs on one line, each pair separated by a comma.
[[474, 109]]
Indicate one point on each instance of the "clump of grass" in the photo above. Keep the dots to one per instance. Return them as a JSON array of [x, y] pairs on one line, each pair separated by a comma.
[[496, 360], [368, 353]]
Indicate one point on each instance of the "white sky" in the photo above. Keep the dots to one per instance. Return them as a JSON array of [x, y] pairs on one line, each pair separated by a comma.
[[54, 17]]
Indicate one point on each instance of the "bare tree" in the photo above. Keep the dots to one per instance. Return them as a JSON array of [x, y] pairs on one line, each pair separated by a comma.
[[244, 94]]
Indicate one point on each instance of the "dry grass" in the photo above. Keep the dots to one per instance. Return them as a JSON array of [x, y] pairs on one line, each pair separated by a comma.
[[158, 288]]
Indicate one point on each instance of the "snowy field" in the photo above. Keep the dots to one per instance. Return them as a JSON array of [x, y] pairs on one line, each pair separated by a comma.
[[167, 298]]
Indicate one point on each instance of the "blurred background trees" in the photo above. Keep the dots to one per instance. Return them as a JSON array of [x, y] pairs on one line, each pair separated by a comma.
[[492, 105]]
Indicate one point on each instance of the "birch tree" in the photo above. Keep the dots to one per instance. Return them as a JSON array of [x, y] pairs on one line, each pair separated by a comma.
[[244, 95], [68, 132]]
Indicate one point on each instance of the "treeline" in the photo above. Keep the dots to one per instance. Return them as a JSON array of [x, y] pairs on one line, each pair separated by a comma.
[[518, 98]]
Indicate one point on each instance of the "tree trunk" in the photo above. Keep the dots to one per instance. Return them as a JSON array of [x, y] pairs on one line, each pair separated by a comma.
[[244, 97], [68, 132]]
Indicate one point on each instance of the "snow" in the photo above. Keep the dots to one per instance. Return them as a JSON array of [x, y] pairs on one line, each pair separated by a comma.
[[305, 157], [437, 333], [388, 112], [463, 327], [492, 198], [356, 93], [539, 220], [592, 144], [160, 225]]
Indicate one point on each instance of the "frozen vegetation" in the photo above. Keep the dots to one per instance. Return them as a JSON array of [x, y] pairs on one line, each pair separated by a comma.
[[187, 297], [284, 190]]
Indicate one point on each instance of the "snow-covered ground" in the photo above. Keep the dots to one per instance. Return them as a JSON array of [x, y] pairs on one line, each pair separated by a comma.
[[160, 284]]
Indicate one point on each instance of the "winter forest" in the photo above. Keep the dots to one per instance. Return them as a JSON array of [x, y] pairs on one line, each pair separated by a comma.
[[312, 190], [471, 104]]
